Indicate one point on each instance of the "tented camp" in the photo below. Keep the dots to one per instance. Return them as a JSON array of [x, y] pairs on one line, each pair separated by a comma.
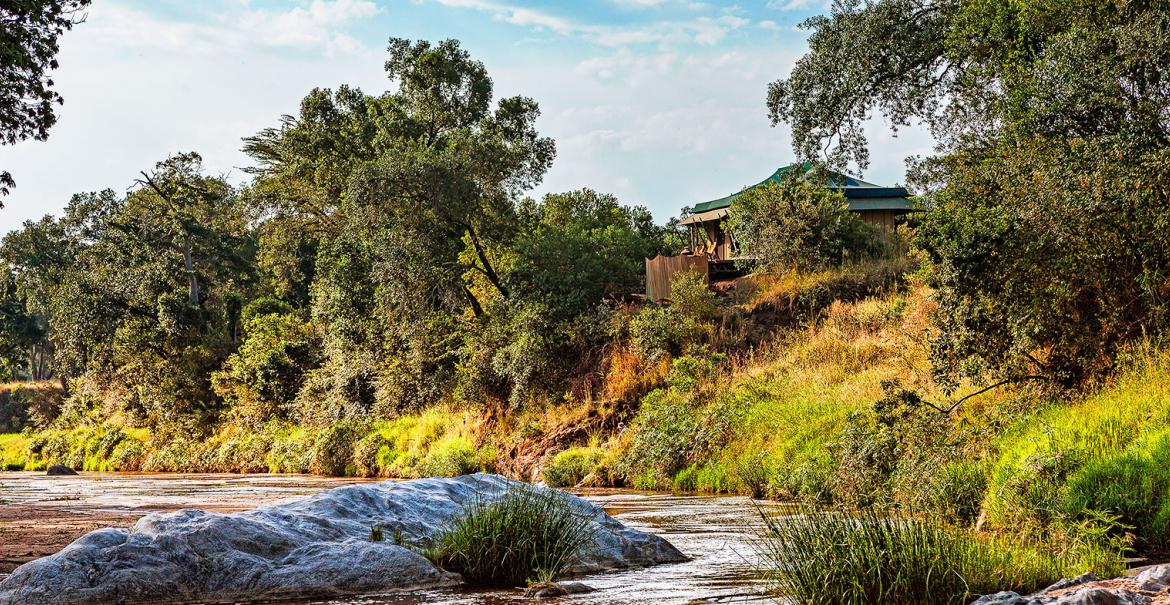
[[873, 203], [711, 241]]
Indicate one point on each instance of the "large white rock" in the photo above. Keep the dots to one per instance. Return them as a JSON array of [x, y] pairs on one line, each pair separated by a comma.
[[318, 546]]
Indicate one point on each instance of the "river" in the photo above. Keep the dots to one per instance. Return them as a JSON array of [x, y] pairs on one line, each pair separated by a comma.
[[715, 531]]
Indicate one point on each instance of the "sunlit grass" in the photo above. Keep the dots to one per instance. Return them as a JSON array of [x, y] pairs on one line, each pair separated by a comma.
[[524, 535], [870, 557]]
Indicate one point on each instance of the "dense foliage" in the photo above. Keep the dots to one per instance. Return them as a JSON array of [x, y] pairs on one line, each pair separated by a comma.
[[1047, 195], [799, 225], [382, 259], [28, 52]]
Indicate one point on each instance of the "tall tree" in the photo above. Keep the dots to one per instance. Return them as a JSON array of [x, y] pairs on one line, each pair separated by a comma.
[[1046, 237], [409, 198], [29, 33]]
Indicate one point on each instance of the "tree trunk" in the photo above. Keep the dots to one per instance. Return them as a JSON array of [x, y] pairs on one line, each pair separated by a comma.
[[194, 285], [488, 270]]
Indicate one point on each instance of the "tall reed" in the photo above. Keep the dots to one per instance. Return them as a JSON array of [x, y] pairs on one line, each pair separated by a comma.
[[871, 557], [521, 536]]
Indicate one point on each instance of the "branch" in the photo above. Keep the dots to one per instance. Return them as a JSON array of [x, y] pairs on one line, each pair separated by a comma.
[[955, 405]]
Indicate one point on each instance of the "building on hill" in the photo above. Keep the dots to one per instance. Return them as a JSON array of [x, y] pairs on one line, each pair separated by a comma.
[[713, 249], [873, 203]]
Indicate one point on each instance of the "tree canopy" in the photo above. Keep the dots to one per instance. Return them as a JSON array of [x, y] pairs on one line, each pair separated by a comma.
[[29, 41], [1047, 205]]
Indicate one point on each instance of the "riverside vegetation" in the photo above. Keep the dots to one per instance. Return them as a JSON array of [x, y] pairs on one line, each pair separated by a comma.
[[382, 299]]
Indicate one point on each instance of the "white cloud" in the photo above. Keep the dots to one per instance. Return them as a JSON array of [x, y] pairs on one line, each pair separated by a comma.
[[769, 25], [796, 5], [315, 26], [702, 30]]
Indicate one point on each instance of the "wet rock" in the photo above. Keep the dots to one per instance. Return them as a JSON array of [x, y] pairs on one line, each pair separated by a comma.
[[317, 546], [1154, 579], [576, 588], [60, 470], [550, 590], [1097, 595], [1000, 598], [1084, 578]]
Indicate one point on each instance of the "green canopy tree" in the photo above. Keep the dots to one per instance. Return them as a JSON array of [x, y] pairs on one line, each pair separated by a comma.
[[28, 52], [141, 293], [408, 199], [1046, 236]]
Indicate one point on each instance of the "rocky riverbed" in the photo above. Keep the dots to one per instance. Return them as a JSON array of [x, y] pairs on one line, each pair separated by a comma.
[[317, 546], [1150, 586]]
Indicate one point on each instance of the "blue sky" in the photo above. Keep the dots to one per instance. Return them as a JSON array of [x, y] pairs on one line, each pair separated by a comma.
[[660, 102]]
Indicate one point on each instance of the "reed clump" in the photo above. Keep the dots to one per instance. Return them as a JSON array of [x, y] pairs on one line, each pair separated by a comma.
[[521, 536], [873, 557]]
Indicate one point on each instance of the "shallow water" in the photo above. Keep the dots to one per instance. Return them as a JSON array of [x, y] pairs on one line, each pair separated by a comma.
[[715, 531]]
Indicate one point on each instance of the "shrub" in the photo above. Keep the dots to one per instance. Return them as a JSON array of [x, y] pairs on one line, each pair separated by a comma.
[[333, 451], [571, 466], [874, 557], [520, 535], [691, 297], [800, 225], [452, 457], [656, 333], [366, 455]]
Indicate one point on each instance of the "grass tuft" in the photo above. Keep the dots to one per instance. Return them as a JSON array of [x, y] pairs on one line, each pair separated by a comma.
[[873, 557], [524, 535]]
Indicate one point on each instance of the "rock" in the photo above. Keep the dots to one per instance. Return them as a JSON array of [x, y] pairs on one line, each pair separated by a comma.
[[576, 588], [551, 590], [1084, 578], [1096, 595], [317, 546], [59, 470], [1000, 598], [1154, 579]]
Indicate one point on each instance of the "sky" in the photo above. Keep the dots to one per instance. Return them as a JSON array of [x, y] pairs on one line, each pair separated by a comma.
[[660, 102]]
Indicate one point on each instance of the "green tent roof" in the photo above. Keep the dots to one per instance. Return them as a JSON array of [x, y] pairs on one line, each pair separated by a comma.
[[860, 194]]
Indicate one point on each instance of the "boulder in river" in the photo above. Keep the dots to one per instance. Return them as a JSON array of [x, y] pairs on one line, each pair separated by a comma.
[[60, 470], [314, 547]]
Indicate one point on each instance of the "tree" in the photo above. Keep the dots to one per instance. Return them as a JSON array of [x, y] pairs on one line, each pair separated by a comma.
[[1045, 232], [28, 51], [409, 200], [141, 294], [795, 224]]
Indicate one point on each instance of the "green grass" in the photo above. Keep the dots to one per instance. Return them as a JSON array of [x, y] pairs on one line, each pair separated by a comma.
[[1109, 452], [570, 467], [524, 535], [872, 557], [14, 452]]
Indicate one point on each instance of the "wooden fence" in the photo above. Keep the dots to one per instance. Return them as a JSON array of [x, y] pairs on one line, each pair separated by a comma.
[[660, 271]]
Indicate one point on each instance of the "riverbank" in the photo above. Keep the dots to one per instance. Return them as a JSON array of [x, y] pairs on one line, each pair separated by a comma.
[[843, 412]]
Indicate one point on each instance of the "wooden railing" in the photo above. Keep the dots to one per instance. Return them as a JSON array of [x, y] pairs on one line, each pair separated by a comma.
[[660, 271]]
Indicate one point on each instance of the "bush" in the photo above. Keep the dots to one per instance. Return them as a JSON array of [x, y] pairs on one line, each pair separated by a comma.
[[522, 535], [673, 427], [333, 451], [798, 225], [657, 333], [452, 457], [873, 557], [571, 466]]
